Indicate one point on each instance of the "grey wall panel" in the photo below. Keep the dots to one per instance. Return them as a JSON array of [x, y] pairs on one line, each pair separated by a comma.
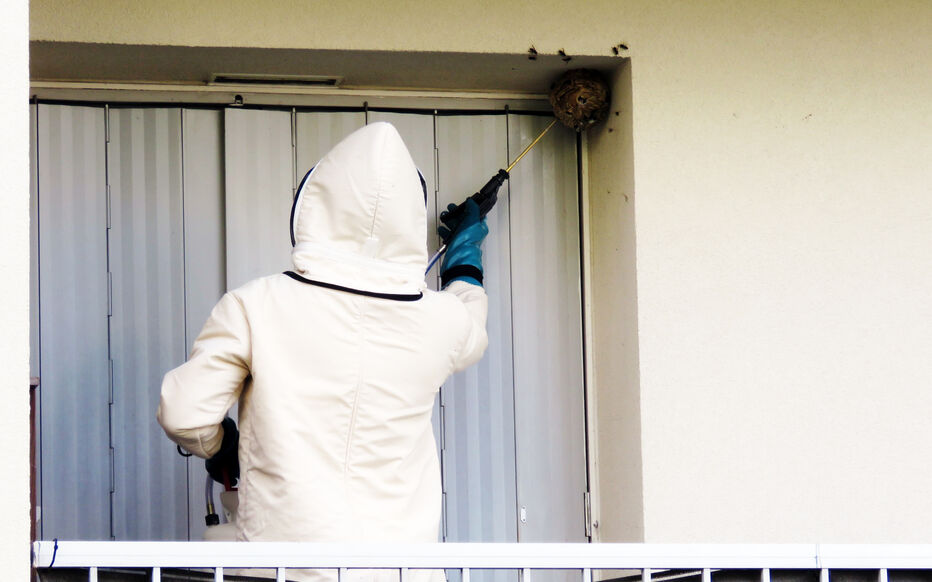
[[204, 256], [204, 211], [199, 190], [479, 463], [72, 221], [147, 326], [33, 242], [34, 294], [317, 131], [549, 393], [258, 190]]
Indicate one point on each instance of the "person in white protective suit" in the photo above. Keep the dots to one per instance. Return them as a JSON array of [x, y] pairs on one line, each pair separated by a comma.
[[336, 364]]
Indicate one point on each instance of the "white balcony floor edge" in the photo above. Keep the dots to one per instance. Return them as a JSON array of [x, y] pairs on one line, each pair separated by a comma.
[[84, 554]]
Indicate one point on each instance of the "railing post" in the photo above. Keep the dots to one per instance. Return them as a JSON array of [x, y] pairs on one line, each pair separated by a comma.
[[156, 574], [526, 575], [92, 574], [706, 575], [765, 575], [279, 575], [645, 575], [587, 575], [465, 574], [823, 575], [882, 575], [218, 574]]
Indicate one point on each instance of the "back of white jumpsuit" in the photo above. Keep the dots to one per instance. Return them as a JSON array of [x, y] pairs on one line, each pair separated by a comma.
[[336, 364]]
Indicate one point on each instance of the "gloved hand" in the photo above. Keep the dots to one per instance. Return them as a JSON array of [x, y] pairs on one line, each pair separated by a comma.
[[226, 460], [463, 259]]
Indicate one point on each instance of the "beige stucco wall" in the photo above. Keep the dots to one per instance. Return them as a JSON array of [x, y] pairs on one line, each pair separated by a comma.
[[784, 206], [762, 241], [784, 231], [14, 290]]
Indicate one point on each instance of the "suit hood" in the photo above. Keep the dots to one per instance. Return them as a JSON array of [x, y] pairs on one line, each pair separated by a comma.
[[359, 219]]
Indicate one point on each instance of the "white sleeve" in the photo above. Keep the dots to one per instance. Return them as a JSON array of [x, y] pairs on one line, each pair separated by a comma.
[[476, 339], [197, 394]]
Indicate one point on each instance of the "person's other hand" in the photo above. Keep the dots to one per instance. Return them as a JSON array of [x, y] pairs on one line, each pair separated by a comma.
[[223, 467]]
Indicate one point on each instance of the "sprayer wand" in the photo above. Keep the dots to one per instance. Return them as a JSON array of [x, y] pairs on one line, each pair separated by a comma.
[[580, 99], [528, 148], [487, 196]]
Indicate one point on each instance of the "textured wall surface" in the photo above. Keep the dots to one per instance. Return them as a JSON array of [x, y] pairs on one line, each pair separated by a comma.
[[762, 352], [784, 265], [14, 290]]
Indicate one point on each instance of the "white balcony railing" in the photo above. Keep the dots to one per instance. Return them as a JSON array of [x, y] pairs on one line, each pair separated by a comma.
[[704, 559]]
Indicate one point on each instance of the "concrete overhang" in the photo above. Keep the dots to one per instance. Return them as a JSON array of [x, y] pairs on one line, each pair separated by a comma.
[[433, 71]]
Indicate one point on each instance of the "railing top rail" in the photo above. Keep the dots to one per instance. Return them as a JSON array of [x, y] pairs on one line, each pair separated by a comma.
[[499, 556]]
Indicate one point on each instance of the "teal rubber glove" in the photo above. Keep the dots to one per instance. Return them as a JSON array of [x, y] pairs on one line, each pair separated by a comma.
[[463, 259]]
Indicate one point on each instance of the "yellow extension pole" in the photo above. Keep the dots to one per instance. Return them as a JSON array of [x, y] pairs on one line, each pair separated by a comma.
[[533, 143]]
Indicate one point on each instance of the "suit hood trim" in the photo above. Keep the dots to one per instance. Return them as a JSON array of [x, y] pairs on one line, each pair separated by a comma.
[[295, 203], [390, 296], [320, 262]]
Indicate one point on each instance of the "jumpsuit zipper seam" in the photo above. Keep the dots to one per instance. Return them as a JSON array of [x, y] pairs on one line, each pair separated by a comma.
[[352, 427], [353, 415]]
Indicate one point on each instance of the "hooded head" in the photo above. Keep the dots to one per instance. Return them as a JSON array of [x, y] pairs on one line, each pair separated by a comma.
[[359, 219]]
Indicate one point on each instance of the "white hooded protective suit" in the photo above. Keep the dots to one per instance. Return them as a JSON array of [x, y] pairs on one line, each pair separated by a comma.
[[337, 364]]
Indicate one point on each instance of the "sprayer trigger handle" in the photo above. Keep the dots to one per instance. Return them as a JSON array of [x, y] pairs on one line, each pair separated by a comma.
[[485, 198]]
